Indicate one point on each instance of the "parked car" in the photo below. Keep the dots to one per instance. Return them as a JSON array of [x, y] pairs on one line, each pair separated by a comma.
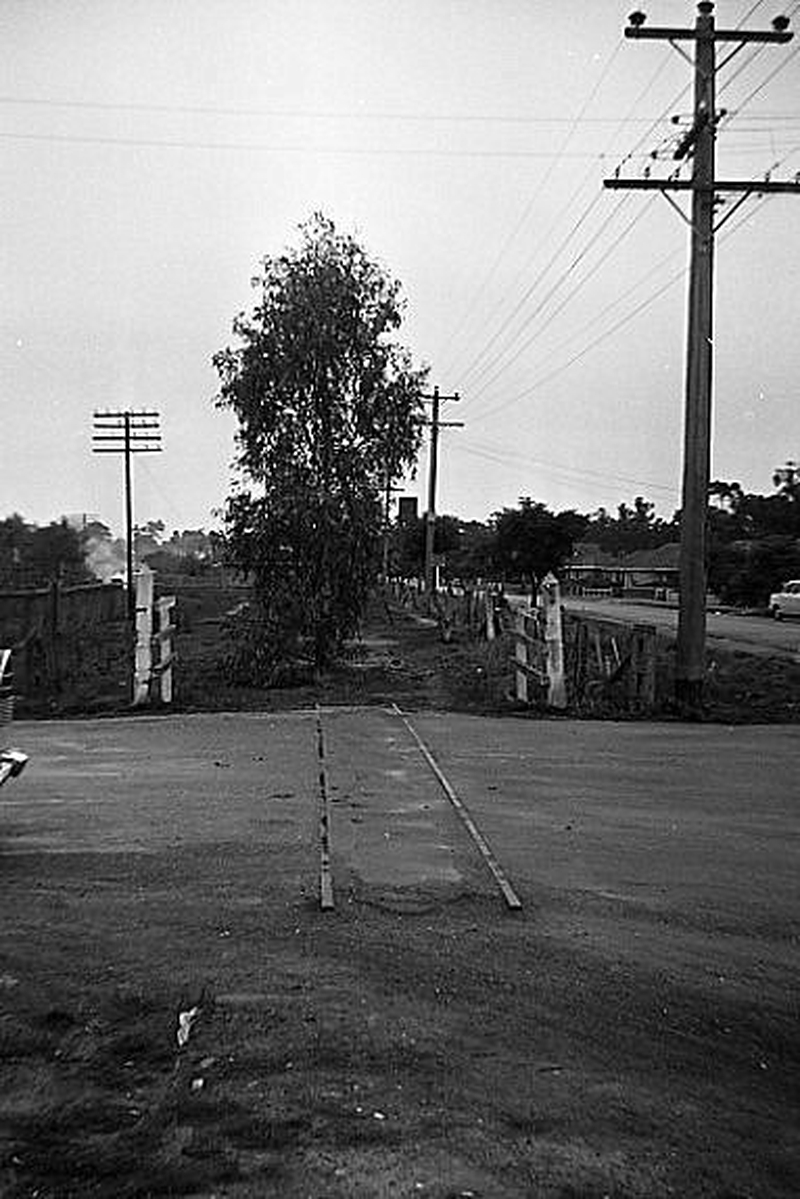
[[786, 602], [12, 761]]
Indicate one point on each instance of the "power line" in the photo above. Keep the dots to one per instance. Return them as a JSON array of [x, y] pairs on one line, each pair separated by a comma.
[[264, 147], [318, 114], [499, 369], [521, 222], [503, 457], [473, 365], [565, 241], [537, 333], [626, 319], [484, 350]]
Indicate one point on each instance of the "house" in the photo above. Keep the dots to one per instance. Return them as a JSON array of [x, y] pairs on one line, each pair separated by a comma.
[[645, 573]]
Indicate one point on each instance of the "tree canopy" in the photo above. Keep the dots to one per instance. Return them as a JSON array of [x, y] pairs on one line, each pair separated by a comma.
[[531, 541], [34, 556], [329, 410]]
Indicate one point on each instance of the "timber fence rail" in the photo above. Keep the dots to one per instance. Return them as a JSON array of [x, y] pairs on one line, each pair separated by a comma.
[[474, 611], [610, 664], [74, 648], [558, 660]]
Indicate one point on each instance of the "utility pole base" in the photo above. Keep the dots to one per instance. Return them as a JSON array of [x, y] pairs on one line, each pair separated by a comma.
[[689, 699]]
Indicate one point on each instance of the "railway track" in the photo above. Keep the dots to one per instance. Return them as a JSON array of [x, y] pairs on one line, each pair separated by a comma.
[[413, 769]]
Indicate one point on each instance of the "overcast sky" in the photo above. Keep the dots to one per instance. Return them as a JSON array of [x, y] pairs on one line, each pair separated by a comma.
[[156, 150]]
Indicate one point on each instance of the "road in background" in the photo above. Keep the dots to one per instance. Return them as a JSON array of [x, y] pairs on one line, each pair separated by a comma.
[[753, 634]]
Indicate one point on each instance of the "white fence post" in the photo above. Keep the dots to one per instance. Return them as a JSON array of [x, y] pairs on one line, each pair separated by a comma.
[[488, 607], [166, 652], [149, 665], [551, 603], [144, 635], [521, 655]]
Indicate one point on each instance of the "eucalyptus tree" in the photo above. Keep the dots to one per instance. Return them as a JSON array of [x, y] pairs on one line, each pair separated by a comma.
[[329, 411]]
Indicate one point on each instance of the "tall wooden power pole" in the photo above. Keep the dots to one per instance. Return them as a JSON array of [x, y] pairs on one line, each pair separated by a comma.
[[698, 143], [433, 464], [127, 432]]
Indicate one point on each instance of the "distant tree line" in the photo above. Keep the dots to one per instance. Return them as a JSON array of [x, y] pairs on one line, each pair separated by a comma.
[[754, 540], [754, 543], [34, 556]]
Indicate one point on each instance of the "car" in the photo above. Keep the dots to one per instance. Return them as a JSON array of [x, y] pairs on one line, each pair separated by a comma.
[[12, 761], [786, 602]]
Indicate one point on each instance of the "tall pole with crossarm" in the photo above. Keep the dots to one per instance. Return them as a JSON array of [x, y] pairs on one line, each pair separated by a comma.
[[698, 144], [435, 424], [127, 432]]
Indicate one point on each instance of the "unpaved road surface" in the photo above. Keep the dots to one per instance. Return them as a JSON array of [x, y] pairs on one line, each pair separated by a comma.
[[631, 1032]]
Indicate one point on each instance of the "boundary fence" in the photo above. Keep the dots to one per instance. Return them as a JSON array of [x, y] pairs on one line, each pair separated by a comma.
[[558, 660], [74, 648]]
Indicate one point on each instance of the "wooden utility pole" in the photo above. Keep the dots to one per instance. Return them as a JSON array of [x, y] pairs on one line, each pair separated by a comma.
[[698, 143], [127, 432], [433, 463]]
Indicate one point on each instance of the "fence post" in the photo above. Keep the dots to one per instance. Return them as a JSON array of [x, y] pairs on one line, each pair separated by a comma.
[[521, 654], [144, 635], [642, 694], [551, 602], [166, 654], [488, 605]]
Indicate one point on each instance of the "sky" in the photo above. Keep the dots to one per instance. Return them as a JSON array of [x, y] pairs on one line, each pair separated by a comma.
[[154, 152]]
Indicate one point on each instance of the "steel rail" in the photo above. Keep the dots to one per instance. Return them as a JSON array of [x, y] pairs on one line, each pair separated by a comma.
[[326, 901], [485, 850]]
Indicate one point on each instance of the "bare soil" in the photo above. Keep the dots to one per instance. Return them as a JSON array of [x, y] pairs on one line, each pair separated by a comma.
[[401, 658], [436, 1047]]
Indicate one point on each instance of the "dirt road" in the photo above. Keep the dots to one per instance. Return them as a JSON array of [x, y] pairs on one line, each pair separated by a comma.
[[631, 1032]]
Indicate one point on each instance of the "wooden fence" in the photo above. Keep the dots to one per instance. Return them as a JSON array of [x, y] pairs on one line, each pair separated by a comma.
[[74, 648], [560, 660], [71, 646], [610, 665]]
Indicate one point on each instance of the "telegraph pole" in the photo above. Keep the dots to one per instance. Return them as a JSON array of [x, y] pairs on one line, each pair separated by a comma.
[[435, 425], [127, 432], [699, 144]]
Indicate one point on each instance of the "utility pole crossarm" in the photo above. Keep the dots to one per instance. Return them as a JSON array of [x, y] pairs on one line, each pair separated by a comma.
[[762, 187], [665, 34]]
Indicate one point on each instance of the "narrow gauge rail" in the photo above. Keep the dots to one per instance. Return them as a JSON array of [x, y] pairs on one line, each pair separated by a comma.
[[326, 889]]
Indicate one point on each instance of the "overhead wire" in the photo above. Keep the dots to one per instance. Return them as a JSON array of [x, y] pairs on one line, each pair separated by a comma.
[[533, 337], [498, 454], [626, 319], [744, 66], [359, 151], [537, 332], [526, 212], [486, 348]]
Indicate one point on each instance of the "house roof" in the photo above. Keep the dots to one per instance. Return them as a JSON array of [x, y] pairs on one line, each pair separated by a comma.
[[661, 557], [588, 555]]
